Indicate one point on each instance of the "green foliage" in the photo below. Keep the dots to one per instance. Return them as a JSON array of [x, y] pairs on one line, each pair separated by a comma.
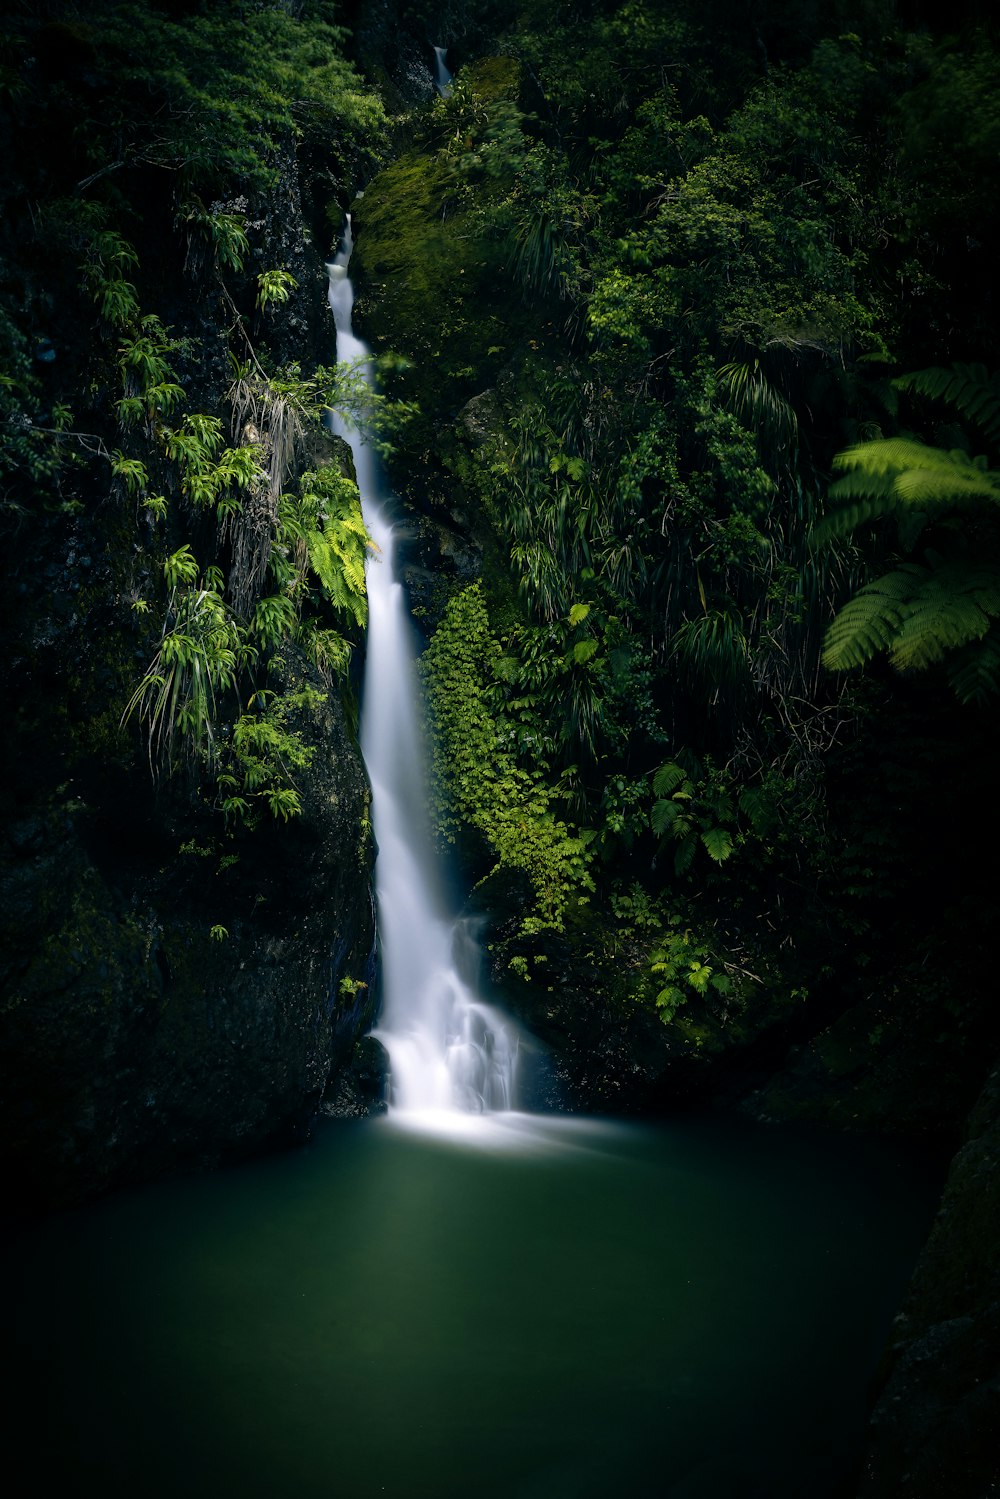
[[480, 785], [214, 95], [274, 286], [904, 477], [690, 813], [350, 987], [150, 389], [943, 607], [323, 527], [224, 233], [680, 967], [919, 612], [969, 388], [197, 661], [265, 751], [210, 475]]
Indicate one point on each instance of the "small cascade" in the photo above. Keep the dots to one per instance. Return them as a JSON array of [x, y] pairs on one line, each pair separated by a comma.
[[449, 1051], [442, 77]]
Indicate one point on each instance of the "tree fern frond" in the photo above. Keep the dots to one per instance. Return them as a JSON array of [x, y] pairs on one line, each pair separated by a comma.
[[685, 854], [868, 622], [862, 497], [974, 670], [668, 778], [970, 388], [900, 474], [888, 455], [663, 816], [952, 604], [918, 613]]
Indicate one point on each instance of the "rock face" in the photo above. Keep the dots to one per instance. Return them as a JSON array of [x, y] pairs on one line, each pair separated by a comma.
[[934, 1429], [164, 1009], [171, 992]]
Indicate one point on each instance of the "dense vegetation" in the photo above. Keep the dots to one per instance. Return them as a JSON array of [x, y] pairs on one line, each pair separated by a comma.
[[670, 270], [693, 324], [152, 354]]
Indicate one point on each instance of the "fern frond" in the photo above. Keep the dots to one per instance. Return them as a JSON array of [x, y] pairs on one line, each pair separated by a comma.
[[970, 388], [889, 455], [896, 475], [918, 613], [952, 604], [719, 843], [667, 779], [974, 671], [868, 622], [861, 497]]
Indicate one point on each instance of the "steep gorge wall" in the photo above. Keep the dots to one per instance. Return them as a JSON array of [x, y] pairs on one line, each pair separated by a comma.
[[171, 992]]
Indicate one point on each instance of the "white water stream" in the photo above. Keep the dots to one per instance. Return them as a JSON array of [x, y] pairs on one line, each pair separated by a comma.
[[442, 77], [451, 1054]]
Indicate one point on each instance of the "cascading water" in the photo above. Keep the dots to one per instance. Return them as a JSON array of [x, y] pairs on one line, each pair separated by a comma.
[[442, 77], [448, 1051]]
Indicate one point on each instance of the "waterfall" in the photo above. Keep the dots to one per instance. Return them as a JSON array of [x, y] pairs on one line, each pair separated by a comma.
[[449, 1052], [442, 77]]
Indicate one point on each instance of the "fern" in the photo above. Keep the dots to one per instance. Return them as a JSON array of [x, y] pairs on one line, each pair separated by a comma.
[[918, 612], [663, 817], [970, 388], [952, 604], [941, 609], [667, 779], [718, 843], [907, 478], [974, 670]]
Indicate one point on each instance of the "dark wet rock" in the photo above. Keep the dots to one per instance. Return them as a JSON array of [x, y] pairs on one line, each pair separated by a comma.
[[934, 1428], [394, 42], [361, 1086], [165, 1007]]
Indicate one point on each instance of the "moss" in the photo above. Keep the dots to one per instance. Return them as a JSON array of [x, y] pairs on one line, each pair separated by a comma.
[[493, 78], [435, 281], [435, 287]]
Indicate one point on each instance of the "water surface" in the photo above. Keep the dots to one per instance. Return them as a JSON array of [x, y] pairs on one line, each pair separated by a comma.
[[562, 1308]]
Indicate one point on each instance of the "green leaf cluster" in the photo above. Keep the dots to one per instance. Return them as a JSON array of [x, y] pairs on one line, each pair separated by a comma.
[[944, 606], [479, 783]]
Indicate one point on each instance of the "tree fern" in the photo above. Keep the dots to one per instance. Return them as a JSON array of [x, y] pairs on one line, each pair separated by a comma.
[[906, 478], [952, 604], [865, 625], [942, 608], [918, 612], [970, 388], [974, 671]]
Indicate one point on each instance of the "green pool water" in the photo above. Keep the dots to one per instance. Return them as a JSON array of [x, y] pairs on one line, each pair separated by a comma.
[[555, 1308]]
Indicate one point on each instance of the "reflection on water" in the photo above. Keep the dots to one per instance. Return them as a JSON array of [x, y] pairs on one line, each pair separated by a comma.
[[581, 1309]]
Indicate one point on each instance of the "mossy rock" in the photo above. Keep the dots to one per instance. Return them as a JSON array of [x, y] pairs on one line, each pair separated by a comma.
[[435, 288], [435, 283], [493, 78]]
